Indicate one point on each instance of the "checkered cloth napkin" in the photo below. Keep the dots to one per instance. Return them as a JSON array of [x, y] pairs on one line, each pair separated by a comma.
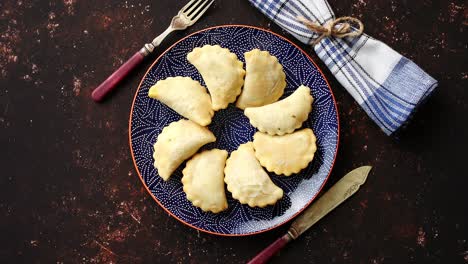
[[387, 85]]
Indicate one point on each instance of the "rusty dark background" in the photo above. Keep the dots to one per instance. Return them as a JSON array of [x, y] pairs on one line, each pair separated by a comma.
[[69, 191]]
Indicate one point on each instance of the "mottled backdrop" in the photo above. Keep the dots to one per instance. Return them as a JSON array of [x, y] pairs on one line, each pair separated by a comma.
[[69, 191]]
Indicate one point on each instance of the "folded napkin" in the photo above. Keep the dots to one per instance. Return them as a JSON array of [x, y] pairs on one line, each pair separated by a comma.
[[387, 85]]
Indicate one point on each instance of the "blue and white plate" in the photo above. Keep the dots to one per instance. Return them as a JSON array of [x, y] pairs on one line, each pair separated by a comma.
[[231, 128]]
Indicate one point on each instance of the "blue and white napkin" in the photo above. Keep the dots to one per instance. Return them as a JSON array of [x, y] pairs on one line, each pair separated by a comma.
[[387, 85]]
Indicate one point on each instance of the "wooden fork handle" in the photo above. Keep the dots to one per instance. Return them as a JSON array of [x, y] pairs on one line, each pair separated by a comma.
[[271, 250], [112, 81]]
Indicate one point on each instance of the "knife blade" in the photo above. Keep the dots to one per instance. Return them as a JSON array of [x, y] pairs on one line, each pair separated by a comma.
[[337, 194]]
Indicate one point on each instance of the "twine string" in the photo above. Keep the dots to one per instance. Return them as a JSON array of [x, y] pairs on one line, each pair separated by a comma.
[[338, 28]]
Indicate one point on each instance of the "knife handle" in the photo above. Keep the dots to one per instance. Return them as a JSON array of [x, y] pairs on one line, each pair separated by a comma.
[[111, 82], [271, 250]]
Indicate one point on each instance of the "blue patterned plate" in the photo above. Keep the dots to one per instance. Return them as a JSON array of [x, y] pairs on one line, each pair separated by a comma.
[[231, 128]]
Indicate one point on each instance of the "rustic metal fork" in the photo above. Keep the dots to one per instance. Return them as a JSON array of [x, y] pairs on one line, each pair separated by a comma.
[[187, 16]]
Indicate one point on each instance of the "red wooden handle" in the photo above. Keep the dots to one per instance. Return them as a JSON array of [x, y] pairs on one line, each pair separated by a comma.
[[271, 250], [111, 82]]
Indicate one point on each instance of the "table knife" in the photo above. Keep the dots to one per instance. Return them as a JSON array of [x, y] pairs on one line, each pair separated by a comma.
[[338, 193]]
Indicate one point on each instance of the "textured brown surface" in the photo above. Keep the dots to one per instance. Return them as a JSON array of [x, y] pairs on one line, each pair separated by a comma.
[[69, 190]]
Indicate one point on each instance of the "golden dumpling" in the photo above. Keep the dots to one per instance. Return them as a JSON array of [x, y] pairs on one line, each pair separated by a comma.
[[265, 80], [247, 181], [284, 116], [285, 154], [203, 180], [222, 72], [185, 96], [178, 142]]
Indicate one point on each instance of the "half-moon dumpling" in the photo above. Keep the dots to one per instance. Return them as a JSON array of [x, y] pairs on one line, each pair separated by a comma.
[[204, 180], [185, 96], [247, 181], [284, 116], [264, 80], [178, 142], [286, 154], [222, 72]]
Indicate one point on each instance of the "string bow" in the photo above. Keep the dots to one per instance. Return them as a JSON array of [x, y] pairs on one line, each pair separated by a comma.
[[338, 28]]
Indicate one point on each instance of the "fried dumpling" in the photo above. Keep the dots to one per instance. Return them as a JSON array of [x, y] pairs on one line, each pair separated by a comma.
[[178, 142], [185, 96], [222, 72], [285, 154], [247, 181], [284, 116], [203, 180], [265, 80]]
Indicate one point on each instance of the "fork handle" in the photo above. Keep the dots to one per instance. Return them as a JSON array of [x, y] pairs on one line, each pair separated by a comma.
[[112, 81]]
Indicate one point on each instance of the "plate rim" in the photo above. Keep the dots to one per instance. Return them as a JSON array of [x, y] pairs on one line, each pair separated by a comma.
[[130, 131]]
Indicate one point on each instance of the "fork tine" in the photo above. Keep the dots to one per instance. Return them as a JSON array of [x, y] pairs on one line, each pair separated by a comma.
[[197, 14], [195, 5], [188, 5]]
